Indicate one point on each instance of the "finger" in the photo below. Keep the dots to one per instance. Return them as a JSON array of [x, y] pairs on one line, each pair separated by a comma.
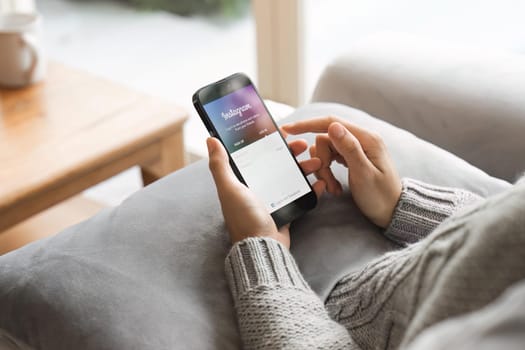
[[371, 142], [283, 132], [298, 146], [311, 165], [376, 151], [313, 153], [350, 149], [321, 125], [325, 152], [220, 166], [319, 187]]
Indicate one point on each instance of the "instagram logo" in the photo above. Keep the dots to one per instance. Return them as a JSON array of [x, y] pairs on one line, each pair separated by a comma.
[[236, 112]]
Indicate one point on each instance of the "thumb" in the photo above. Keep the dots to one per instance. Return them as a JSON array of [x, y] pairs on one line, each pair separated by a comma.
[[348, 146], [219, 164]]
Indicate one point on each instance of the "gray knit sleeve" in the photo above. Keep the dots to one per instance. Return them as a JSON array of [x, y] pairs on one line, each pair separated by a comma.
[[422, 207], [276, 309]]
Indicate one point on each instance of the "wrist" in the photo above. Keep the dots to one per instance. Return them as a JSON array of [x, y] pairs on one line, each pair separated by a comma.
[[387, 205], [392, 201], [281, 237], [257, 261]]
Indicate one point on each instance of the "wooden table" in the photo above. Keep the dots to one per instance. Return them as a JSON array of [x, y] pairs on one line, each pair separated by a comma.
[[59, 137]]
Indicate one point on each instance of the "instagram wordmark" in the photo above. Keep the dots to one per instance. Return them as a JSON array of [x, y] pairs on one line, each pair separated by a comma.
[[236, 112]]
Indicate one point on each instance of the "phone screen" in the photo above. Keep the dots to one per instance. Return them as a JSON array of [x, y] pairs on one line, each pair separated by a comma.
[[256, 147]]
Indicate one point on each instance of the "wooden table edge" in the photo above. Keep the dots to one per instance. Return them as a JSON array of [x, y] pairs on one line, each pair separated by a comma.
[[146, 151]]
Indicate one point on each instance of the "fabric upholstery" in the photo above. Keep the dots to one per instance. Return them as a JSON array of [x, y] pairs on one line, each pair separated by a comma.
[[150, 272], [467, 101]]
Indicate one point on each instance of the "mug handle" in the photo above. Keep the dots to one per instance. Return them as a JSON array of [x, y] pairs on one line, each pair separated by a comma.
[[29, 41]]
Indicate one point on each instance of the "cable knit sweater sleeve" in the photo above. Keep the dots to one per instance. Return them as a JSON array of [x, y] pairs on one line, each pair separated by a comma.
[[276, 309], [422, 207]]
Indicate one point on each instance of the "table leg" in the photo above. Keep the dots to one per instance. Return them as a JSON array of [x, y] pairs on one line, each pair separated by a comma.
[[147, 176], [171, 158]]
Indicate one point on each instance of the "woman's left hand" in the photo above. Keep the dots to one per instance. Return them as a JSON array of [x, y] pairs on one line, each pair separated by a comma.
[[244, 214]]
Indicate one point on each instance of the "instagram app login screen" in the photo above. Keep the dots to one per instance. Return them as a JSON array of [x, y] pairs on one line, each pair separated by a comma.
[[256, 147]]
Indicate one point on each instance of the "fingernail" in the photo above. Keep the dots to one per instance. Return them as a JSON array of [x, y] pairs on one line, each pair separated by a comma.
[[338, 130], [211, 146]]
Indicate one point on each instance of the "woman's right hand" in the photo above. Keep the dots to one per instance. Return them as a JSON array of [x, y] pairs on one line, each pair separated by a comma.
[[372, 177]]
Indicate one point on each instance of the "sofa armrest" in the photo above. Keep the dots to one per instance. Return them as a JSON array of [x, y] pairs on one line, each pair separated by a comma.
[[467, 101]]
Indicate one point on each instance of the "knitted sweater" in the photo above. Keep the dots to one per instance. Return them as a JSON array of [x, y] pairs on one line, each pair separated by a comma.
[[383, 306]]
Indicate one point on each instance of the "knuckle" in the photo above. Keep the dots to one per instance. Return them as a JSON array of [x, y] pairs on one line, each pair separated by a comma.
[[333, 118], [322, 142], [351, 144], [376, 138]]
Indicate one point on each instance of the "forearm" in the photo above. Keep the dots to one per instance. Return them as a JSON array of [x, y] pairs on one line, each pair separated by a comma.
[[276, 308], [422, 207]]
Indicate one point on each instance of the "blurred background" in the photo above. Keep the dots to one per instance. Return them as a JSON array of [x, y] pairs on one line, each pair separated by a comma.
[[169, 48]]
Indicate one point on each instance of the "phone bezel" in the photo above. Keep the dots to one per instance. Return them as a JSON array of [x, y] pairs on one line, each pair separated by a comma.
[[226, 86]]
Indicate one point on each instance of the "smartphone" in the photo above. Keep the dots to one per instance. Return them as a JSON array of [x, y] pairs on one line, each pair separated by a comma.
[[232, 111]]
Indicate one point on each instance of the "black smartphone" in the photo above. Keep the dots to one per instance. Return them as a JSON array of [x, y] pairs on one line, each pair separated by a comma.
[[233, 112]]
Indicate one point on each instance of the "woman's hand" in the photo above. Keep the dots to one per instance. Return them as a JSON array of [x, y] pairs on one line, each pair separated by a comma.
[[372, 177], [244, 214]]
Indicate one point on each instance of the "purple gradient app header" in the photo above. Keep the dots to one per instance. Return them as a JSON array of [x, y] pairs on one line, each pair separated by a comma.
[[240, 118]]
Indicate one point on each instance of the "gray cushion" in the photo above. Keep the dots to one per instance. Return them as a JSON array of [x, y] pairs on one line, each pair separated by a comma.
[[149, 273], [468, 101]]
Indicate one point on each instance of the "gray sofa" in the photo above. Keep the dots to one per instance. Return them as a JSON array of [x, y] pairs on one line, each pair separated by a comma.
[[149, 273]]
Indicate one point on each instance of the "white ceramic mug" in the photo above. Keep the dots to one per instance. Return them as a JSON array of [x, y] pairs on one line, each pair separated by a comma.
[[21, 57]]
